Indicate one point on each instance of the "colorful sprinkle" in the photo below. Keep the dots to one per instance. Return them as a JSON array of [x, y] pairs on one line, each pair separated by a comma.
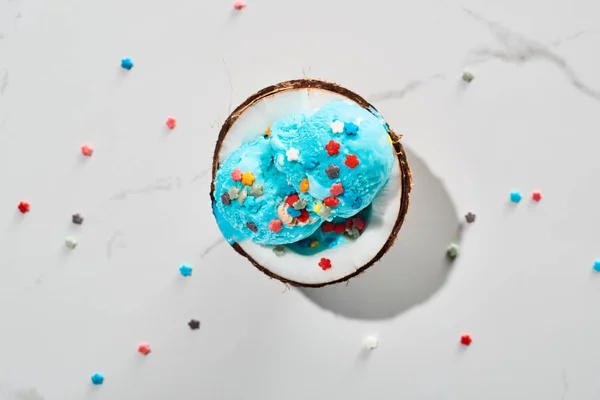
[[292, 154], [24, 207], [144, 348], [239, 4], [279, 250], [317, 207], [470, 217], [465, 340], [336, 189], [515, 196], [350, 129], [536, 196], [333, 171], [275, 225], [234, 192], [248, 178], [310, 163], [327, 227], [252, 226], [358, 222], [126, 63], [390, 140], [257, 190], [352, 161], [185, 270], [242, 196], [467, 76], [452, 251], [352, 233], [71, 242], [357, 203], [314, 243], [339, 228], [371, 343], [332, 148], [303, 217], [225, 199], [77, 219], [337, 127], [194, 324], [97, 379], [331, 201], [325, 264], [236, 174], [300, 204], [171, 122], [290, 200], [324, 212], [293, 212], [597, 265], [304, 185], [87, 150], [268, 131]]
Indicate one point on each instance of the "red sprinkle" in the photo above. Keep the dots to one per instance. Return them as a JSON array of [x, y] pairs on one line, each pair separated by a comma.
[[352, 160], [303, 217], [358, 222], [327, 227], [236, 174], [238, 5], [144, 348], [349, 223], [339, 228], [87, 150], [292, 199], [275, 225], [171, 122], [536, 196], [23, 207], [332, 148], [325, 264], [331, 201], [336, 189], [465, 340]]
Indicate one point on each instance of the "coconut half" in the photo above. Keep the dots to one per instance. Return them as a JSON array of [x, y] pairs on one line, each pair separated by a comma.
[[250, 120]]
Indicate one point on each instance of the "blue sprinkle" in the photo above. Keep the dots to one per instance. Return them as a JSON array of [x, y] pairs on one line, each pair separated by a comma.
[[304, 243], [126, 63], [289, 190], [185, 270], [310, 163], [515, 196], [597, 265], [350, 128], [293, 212], [97, 379], [329, 242], [357, 203]]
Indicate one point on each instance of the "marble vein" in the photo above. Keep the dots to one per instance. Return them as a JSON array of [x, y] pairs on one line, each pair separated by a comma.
[[4, 82], [160, 185], [410, 87]]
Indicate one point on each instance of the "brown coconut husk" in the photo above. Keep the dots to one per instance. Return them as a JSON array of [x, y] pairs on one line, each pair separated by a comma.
[[332, 87]]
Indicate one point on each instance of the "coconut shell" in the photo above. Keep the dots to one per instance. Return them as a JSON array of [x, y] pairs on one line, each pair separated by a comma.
[[332, 87]]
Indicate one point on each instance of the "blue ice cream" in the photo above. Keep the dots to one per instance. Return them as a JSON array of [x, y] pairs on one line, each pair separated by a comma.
[[312, 168]]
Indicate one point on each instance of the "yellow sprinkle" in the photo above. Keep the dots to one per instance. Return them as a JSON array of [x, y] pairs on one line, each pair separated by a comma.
[[317, 207], [268, 131], [390, 139], [304, 185], [248, 178], [314, 244]]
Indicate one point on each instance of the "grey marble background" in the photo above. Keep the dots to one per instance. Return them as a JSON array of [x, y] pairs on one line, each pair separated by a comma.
[[523, 286]]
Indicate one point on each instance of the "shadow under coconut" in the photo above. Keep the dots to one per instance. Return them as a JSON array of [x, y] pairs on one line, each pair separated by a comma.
[[414, 268]]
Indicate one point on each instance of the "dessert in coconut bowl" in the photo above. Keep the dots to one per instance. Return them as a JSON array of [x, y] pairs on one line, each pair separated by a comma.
[[309, 182]]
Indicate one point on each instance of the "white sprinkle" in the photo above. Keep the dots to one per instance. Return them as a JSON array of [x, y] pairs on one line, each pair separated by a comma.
[[371, 343], [71, 242], [292, 154], [337, 127], [358, 121]]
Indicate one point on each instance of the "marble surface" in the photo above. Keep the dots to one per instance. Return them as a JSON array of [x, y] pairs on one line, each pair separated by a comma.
[[523, 285]]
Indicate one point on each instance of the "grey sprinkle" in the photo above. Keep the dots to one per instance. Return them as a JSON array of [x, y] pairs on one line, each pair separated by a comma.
[[257, 190], [233, 193], [242, 196], [452, 251], [252, 226], [352, 233], [467, 76], [470, 217], [226, 199], [332, 171], [77, 219], [300, 204], [279, 250]]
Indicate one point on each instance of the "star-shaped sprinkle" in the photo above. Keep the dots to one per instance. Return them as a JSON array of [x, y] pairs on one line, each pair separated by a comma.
[[536, 196], [333, 171], [291, 199], [185, 270], [126, 63], [236, 174], [351, 161], [248, 178], [467, 76], [293, 212], [252, 226], [332, 148], [238, 5], [77, 219], [310, 163], [304, 185], [339, 228], [336, 189], [515, 196], [171, 122], [242, 196], [470, 217], [325, 264], [24, 207], [452, 251], [257, 190], [300, 204], [194, 324], [292, 154], [597, 265], [87, 150], [144, 348], [317, 207], [350, 129], [358, 222], [324, 211], [331, 201], [327, 227], [371, 343], [465, 340], [352, 233], [225, 199], [303, 217], [279, 250], [234, 192], [275, 225], [337, 127], [97, 379], [71, 242], [268, 131]]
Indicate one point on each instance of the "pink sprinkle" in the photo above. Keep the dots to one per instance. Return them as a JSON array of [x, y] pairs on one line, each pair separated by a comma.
[[239, 4], [275, 225], [236, 175], [171, 122], [336, 189], [87, 150], [144, 348]]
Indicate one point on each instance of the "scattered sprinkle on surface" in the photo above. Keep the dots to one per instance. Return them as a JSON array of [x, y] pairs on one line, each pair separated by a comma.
[[515, 196], [24, 207], [126, 63], [597, 265], [97, 379], [275, 225], [87, 150], [299, 205], [332, 148], [77, 219], [185, 270], [331, 201], [292, 154], [350, 128], [252, 226], [337, 127], [332, 171], [336, 189], [325, 264], [238, 5], [194, 324], [171, 122], [71, 242], [304, 185], [144, 348], [452, 251], [248, 178], [351, 161], [257, 190], [468, 76], [465, 340], [236, 175], [536, 196], [279, 250], [470, 217], [371, 343]]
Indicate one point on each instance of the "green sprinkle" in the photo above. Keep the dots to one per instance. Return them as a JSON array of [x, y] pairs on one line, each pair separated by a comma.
[[257, 190], [234, 192], [300, 204], [279, 250], [242, 196], [452, 251], [467, 76], [352, 233]]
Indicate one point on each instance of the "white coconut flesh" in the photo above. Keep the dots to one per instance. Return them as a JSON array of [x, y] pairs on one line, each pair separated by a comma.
[[346, 258]]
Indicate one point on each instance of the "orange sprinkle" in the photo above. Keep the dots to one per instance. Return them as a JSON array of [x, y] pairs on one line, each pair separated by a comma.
[[268, 131], [248, 178], [304, 185]]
